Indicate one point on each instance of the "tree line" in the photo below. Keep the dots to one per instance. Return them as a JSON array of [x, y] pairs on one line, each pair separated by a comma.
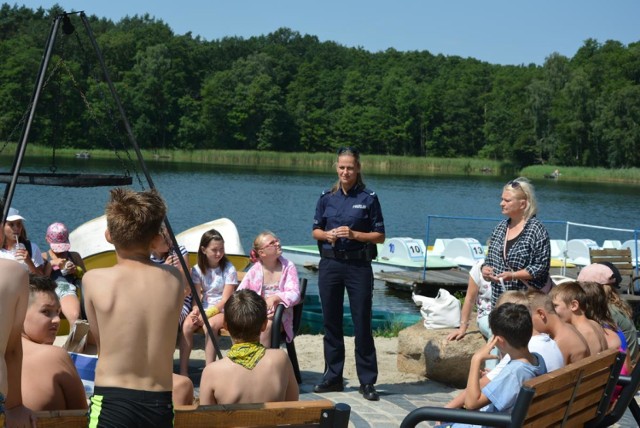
[[285, 91]]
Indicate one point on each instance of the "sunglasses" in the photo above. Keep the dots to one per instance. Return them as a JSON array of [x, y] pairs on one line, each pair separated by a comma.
[[273, 243], [514, 184], [347, 149]]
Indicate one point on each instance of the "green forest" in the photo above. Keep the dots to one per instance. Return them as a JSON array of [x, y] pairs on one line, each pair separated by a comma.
[[289, 92]]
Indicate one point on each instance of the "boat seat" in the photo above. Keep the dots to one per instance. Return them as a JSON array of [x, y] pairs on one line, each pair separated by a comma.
[[464, 252], [578, 251], [631, 245], [558, 248], [278, 336], [439, 245], [612, 243]]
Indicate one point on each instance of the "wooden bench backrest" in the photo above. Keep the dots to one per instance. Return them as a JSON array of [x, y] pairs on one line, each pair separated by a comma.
[[620, 258], [296, 413], [573, 394], [249, 415]]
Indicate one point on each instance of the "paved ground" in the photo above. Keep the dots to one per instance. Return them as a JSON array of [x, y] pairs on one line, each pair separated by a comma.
[[396, 401]]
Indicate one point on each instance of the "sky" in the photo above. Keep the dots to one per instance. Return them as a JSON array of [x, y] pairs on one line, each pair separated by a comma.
[[496, 31]]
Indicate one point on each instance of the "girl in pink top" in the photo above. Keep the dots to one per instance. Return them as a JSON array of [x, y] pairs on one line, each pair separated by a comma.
[[275, 279]]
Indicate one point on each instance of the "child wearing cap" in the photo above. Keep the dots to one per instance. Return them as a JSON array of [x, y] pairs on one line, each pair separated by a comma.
[[66, 268], [608, 276], [16, 246]]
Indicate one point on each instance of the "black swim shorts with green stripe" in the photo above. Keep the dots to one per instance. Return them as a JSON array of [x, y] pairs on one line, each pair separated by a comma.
[[130, 408]]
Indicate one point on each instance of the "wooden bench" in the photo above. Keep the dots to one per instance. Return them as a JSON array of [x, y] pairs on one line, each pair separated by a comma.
[[573, 396], [621, 259], [322, 413]]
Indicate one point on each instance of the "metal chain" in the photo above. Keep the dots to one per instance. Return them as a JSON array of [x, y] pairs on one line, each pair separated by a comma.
[[94, 117], [110, 113]]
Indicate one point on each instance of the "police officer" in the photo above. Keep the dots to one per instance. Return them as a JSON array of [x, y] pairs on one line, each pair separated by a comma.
[[348, 224]]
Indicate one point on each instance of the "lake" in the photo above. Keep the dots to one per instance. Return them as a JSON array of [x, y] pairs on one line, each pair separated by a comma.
[[284, 202]]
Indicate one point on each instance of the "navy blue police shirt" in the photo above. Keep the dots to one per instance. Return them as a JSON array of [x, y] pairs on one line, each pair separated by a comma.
[[359, 209]]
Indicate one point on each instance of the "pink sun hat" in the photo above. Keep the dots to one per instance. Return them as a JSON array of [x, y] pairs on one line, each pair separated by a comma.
[[58, 237]]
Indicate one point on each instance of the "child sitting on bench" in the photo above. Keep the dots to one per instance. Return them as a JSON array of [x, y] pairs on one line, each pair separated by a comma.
[[250, 373]]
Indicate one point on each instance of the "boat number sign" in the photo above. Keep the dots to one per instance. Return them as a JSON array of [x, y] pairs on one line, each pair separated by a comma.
[[475, 248]]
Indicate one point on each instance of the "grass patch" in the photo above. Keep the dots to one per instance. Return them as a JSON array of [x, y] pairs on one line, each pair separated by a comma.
[[390, 329], [622, 175]]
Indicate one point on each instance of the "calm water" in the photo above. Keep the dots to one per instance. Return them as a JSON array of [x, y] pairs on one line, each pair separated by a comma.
[[284, 202]]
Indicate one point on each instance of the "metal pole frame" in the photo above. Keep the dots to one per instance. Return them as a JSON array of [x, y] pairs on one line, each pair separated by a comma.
[[9, 190], [20, 150], [145, 170]]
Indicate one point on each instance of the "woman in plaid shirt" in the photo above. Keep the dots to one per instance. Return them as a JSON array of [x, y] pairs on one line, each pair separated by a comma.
[[519, 252]]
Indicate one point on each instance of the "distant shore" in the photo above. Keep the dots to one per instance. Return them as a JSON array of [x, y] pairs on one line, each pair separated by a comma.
[[373, 164]]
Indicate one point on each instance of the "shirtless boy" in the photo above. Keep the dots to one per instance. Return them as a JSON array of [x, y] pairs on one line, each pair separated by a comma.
[[545, 320], [47, 371], [14, 295], [569, 302], [132, 308], [250, 373]]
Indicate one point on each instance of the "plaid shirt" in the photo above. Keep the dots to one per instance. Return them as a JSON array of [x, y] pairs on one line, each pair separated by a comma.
[[531, 251]]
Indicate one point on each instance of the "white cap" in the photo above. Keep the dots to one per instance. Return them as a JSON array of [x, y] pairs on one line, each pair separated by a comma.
[[14, 215]]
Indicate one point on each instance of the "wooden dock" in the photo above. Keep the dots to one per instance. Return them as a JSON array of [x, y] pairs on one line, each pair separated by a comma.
[[450, 279]]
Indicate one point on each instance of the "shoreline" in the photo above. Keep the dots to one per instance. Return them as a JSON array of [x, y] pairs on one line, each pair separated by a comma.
[[375, 164]]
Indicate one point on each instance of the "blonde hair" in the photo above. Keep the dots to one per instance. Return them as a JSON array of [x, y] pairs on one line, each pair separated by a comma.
[[254, 254], [538, 299], [614, 299], [522, 189], [513, 296]]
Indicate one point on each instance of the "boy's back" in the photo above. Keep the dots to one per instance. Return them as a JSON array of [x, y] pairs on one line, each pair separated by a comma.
[[503, 390], [573, 345], [272, 379], [250, 373], [133, 308], [593, 333]]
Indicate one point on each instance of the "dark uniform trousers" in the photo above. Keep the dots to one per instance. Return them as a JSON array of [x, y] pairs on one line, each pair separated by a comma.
[[356, 276]]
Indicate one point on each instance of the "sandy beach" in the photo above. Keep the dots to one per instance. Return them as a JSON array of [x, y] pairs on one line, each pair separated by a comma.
[[311, 360]]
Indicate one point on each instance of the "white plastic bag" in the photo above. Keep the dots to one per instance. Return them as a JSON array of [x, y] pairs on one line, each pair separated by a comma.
[[443, 311]]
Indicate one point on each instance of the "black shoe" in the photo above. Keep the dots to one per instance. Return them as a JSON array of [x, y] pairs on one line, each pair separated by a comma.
[[326, 386], [369, 392]]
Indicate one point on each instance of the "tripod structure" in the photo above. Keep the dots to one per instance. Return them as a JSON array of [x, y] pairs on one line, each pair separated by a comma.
[[63, 20]]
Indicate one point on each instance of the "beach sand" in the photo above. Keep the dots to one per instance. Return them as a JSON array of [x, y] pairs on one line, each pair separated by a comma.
[[311, 360]]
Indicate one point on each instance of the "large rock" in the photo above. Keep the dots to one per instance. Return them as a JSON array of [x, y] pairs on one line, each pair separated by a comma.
[[429, 353]]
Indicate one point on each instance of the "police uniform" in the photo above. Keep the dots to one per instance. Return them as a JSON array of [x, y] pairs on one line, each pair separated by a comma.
[[347, 265]]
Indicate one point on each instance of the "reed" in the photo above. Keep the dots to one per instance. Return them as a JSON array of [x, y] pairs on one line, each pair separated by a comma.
[[375, 164], [621, 175]]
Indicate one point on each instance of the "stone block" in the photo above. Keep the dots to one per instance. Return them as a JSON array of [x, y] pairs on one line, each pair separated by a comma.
[[429, 353]]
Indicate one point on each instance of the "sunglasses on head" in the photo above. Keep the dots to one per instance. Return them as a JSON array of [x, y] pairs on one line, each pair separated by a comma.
[[514, 184], [351, 150]]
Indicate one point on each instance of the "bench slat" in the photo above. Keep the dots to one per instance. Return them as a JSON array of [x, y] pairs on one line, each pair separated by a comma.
[[577, 387], [289, 413], [269, 414]]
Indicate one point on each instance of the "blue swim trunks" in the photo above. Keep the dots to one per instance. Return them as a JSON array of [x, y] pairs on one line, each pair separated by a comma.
[[1, 403]]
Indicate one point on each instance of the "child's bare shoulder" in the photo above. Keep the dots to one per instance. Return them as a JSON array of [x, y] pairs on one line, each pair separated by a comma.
[[276, 356]]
